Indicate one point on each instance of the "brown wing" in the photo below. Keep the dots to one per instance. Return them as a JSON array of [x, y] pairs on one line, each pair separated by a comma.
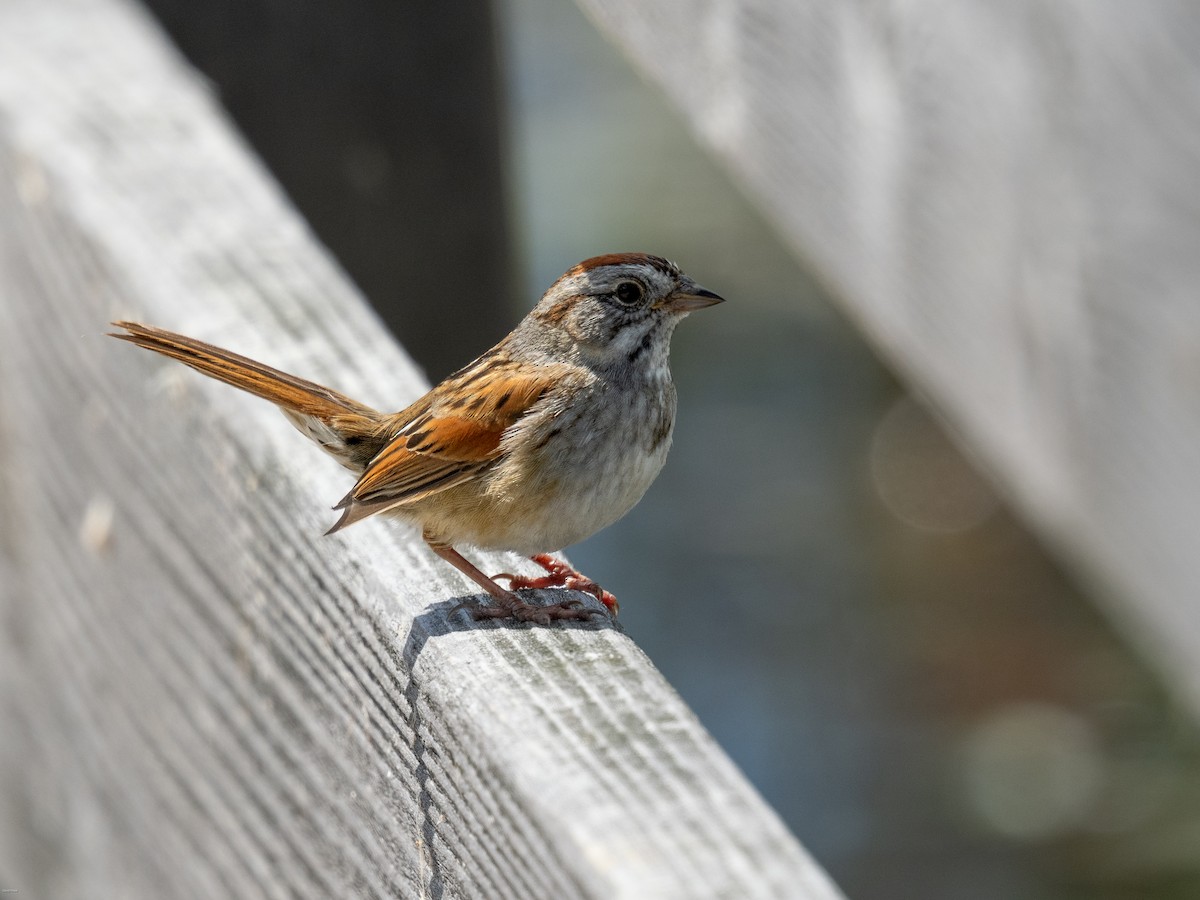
[[450, 435]]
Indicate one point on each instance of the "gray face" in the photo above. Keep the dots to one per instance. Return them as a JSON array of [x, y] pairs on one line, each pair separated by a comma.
[[618, 311]]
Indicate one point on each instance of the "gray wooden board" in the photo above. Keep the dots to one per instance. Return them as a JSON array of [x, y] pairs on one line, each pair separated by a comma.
[[1005, 196], [201, 696]]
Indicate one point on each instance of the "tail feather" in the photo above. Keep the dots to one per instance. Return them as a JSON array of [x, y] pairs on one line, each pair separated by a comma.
[[355, 512], [345, 428]]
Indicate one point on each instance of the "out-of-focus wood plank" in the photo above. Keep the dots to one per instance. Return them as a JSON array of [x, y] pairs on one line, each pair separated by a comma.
[[1005, 196], [202, 697]]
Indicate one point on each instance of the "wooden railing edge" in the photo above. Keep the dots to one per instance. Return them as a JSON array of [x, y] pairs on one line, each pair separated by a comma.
[[226, 701]]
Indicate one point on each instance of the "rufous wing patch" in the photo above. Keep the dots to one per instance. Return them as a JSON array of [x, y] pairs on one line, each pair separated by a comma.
[[450, 435]]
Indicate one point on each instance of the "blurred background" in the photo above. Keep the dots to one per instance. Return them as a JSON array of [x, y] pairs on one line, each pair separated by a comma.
[[932, 704]]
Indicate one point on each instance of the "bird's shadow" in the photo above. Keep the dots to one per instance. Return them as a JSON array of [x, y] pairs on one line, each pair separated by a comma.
[[448, 617], [454, 615]]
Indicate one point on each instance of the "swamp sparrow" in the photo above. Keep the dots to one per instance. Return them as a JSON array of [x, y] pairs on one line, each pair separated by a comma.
[[553, 434]]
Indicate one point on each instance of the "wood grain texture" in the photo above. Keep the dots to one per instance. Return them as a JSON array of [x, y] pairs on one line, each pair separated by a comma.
[[202, 697], [1004, 196]]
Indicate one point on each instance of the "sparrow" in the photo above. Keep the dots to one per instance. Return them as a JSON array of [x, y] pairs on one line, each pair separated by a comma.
[[550, 436]]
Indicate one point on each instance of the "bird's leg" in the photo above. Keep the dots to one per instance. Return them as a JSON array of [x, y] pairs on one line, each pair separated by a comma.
[[509, 605], [559, 574]]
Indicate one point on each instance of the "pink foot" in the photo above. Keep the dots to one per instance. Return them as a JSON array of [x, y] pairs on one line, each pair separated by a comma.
[[559, 574]]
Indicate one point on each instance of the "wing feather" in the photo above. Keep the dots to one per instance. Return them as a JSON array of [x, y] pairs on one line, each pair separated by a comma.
[[449, 436]]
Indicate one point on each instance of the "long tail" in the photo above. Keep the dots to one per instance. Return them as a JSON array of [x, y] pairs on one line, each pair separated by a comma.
[[346, 429]]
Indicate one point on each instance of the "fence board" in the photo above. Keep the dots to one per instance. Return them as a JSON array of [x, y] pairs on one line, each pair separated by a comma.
[[201, 696]]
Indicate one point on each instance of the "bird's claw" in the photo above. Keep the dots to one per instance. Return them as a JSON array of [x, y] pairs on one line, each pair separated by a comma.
[[560, 575]]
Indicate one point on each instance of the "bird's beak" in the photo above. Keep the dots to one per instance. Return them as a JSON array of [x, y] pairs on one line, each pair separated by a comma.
[[689, 298]]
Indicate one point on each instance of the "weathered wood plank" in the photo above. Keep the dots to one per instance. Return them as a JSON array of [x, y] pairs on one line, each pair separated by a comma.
[[1004, 195], [201, 696]]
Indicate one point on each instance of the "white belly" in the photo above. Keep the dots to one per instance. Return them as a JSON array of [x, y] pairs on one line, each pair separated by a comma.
[[594, 470]]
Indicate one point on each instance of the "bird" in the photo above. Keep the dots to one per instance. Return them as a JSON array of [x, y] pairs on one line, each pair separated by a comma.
[[548, 437]]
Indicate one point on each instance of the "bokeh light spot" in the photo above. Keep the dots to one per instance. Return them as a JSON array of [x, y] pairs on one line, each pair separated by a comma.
[[1032, 771], [922, 478]]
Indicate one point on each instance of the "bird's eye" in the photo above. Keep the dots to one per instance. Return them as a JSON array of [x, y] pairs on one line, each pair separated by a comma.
[[628, 293]]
